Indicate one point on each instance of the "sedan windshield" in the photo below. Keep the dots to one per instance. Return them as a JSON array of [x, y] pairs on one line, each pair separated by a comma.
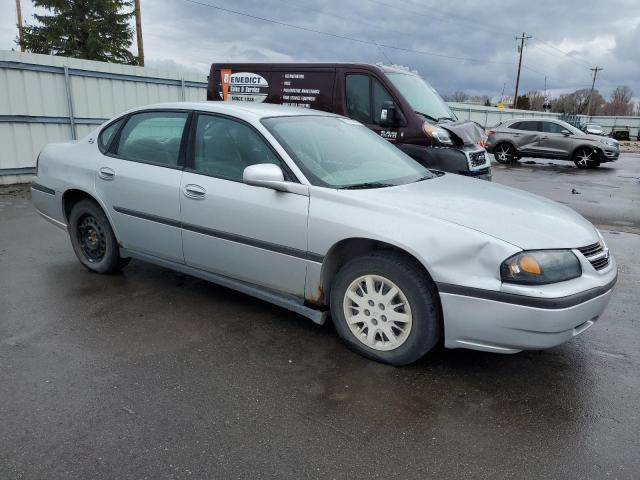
[[422, 97], [342, 153]]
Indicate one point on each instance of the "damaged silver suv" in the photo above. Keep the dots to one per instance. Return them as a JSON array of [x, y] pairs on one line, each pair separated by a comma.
[[546, 138]]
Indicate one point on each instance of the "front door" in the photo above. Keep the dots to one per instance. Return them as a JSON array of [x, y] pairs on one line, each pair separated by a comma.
[[139, 180], [249, 233], [364, 97], [553, 143]]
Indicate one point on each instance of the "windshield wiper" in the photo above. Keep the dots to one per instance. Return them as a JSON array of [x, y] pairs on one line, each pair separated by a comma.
[[433, 119], [446, 118], [358, 186]]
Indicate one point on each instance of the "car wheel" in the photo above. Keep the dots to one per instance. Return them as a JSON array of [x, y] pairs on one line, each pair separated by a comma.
[[385, 307], [93, 240], [505, 153], [585, 158]]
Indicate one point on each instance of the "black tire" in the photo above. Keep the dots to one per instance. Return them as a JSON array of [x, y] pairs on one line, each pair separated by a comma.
[[581, 158], [416, 286], [505, 153], [93, 240]]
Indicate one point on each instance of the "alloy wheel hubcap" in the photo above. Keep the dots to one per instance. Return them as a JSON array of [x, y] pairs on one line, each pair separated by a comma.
[[504, 154], [584, 158], [377, 312]]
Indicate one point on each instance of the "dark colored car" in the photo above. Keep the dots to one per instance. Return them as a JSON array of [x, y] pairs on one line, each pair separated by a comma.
[[549, 138], [622, 132], [395, 103]]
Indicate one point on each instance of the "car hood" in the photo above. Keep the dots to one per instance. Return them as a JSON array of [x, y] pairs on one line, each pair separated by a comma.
[[514, 216]]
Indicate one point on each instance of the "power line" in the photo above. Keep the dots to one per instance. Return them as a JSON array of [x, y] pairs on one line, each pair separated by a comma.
[[566, 54], [344, 37]]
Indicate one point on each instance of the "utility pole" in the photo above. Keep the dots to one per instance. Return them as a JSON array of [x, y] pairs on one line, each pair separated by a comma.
[[522, 39], [593, 84], [139, 33], [19, 12]]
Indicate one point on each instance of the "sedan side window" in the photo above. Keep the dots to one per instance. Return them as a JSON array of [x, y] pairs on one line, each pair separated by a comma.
[[358, 98], [153, 137], [224, 148], [107, 134]]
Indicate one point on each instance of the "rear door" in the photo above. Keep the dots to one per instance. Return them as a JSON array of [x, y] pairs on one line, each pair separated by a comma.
[[253, 234], [138, 178], [552, 142], [525, 135]]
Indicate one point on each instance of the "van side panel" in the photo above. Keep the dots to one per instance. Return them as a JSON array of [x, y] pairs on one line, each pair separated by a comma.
[[294, 85]]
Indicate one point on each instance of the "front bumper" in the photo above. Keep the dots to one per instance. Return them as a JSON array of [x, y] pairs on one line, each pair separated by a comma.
[[609, 155], [497, 324]]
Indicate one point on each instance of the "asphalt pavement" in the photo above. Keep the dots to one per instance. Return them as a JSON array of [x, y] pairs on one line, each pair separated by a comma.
[[151, 374]]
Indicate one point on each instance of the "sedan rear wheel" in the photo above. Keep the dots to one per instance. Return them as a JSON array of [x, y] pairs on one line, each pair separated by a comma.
[[586, 158], [505, 153], [385, 307], [93, 240]]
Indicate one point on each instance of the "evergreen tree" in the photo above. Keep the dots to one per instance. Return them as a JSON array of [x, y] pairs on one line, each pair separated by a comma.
[[88, 29]]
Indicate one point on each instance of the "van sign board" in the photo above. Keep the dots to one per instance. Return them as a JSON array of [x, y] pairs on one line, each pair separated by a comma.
[[244, 86]]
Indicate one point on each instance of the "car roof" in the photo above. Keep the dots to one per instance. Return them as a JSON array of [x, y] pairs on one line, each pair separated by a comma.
[[243, 110], [533, 119]]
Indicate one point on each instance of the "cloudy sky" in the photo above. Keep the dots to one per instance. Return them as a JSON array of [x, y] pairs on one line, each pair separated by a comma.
[[462, 45]]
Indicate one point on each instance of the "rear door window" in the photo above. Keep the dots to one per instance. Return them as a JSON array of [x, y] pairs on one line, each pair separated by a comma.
[[107, 134], [358, 97], [528, 126], [152, 137]]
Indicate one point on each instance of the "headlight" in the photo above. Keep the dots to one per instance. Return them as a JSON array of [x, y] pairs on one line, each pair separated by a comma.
[[440, 135], [609, 143], [539, 267]]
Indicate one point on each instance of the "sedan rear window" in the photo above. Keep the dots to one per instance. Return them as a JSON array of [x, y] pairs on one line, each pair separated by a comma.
[[153, 137]]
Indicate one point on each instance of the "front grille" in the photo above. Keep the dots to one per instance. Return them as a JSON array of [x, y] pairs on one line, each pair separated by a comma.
[[475, 173], [477, 159], [596, 254]]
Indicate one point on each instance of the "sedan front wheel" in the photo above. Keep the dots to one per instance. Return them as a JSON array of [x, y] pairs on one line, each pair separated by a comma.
[[384, 306]]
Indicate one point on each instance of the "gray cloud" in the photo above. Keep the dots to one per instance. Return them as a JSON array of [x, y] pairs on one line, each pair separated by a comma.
[[179, 34]]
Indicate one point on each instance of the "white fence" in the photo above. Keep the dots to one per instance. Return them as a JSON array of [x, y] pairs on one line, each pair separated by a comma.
[[489, 116], [46, 99]]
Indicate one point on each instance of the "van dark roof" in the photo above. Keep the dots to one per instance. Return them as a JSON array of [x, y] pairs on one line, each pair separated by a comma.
[[325, 65]]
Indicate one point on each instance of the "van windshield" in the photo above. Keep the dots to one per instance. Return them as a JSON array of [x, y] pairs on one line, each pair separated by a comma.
[[422, 97], [338, 152]]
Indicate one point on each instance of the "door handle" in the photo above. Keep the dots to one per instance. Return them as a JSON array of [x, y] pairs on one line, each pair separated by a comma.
[[194, 191], [106, 173]]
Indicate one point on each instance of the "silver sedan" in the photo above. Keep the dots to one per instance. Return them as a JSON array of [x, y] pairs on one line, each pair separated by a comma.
[[317, 214]]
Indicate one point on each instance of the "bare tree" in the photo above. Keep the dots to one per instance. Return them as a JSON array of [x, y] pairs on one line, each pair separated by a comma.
[[460, 96], [536, 101], [578, 101], [621, 103]]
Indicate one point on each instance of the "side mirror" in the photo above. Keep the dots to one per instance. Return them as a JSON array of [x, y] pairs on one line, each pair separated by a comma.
[[269, 175], [566, 133], [388, 114]]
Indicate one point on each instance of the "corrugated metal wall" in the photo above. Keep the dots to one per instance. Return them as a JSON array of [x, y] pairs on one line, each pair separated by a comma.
[[47, 99], [44, 99]]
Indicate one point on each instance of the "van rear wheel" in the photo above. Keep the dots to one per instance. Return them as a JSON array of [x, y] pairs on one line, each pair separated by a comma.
[[93, 240]]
